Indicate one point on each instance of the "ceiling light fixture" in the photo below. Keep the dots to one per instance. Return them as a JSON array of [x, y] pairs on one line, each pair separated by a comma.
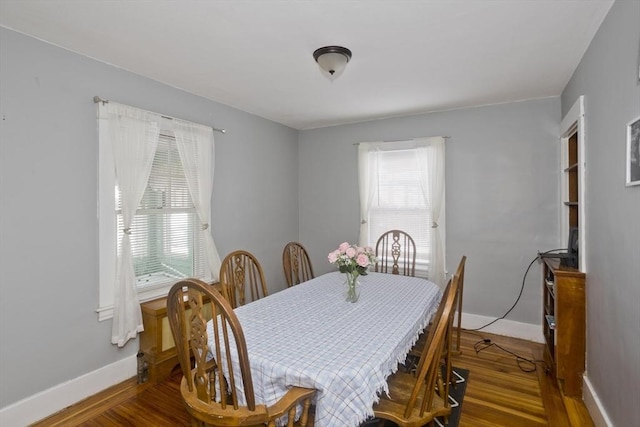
[[332, 59]]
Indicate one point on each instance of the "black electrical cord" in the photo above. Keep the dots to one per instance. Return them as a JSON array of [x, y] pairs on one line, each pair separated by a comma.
[[531, 364], [525, 365], [521, 290]]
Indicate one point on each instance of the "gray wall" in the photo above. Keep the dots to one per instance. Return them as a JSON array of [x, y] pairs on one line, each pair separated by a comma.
[[502, 174], [501, 194], [48, 225], [608, 78]]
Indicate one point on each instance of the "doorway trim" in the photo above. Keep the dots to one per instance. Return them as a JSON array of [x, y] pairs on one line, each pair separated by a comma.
[[574, 123]]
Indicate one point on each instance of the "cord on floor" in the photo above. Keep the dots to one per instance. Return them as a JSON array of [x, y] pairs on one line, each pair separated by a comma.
[[525, 365]]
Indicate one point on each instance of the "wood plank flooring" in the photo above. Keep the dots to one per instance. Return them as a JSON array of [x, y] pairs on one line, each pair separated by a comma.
[[498, 394]]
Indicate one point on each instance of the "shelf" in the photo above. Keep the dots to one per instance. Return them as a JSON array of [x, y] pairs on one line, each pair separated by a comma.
[[573, 167], [551, 321], [571, 204], [550, 284]]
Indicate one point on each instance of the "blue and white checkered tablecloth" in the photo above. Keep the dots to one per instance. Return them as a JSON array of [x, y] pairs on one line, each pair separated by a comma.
[[309, 336]]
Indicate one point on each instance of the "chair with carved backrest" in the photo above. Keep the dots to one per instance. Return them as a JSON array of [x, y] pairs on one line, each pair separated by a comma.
[[396, 253], [296, 264], [210, 389], [241, 273], [416, 398]]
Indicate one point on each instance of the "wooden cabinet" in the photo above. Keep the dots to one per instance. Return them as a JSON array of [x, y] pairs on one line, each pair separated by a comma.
[[156, 341], [564, 324]]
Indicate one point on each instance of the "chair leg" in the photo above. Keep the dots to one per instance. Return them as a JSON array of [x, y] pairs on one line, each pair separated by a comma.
[[458, 331], [305, 413], [443, 390], [291, 416]]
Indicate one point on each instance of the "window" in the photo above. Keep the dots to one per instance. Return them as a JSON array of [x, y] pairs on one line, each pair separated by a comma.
[[399, 203], [166, 239], [402, 187], [167, 164]]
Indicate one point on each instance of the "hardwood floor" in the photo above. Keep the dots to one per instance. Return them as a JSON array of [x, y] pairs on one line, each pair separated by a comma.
[[498, 394]]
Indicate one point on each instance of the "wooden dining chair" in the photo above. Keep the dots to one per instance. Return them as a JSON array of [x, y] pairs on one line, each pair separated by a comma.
[[418, 347], [210, 389], [458, 328], [296, 264], [241, 274], [396, 253], [416, 398]]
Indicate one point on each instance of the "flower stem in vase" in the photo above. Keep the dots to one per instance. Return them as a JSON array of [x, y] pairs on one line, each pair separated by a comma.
[[353, 261], [352, 293]]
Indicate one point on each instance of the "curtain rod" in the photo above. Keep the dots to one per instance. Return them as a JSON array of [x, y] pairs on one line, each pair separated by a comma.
[[97, 99], [397, 140]]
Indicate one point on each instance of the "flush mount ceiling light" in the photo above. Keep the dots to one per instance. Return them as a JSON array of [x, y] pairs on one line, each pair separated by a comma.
[[332, 59]]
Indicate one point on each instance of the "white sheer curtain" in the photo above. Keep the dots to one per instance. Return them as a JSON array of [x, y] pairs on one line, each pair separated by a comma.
[[430, 156], [367, 181], [196, 147], [134, 135], [430, 160]]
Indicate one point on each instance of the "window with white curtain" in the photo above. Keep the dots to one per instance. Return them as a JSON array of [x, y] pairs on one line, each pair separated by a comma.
[[156, 173], [402, 187], [166, 239]]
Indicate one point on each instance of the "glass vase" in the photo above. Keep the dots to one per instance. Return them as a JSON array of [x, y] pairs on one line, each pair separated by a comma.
[[352, 293]]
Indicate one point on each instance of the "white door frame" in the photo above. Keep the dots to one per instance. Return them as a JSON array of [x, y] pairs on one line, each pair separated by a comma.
[[572, 123]]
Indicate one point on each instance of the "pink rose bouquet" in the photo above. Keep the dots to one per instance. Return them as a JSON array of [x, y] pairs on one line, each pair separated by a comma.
[[352, 258]]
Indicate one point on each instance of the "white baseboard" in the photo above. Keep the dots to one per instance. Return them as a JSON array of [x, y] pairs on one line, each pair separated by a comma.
[[48, 402], [594, 405], [509, 328]]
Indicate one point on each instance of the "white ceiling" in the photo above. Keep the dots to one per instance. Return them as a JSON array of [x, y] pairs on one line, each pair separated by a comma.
[[409, 57]]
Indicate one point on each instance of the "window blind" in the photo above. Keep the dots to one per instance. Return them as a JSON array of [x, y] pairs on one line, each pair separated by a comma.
[[399, 202], [166, 239]]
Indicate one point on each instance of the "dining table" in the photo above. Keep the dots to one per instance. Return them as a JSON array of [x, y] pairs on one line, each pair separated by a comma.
[[309, 336]]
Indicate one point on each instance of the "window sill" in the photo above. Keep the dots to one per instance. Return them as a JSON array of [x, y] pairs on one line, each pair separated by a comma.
[[144, 295], [106, 312]]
